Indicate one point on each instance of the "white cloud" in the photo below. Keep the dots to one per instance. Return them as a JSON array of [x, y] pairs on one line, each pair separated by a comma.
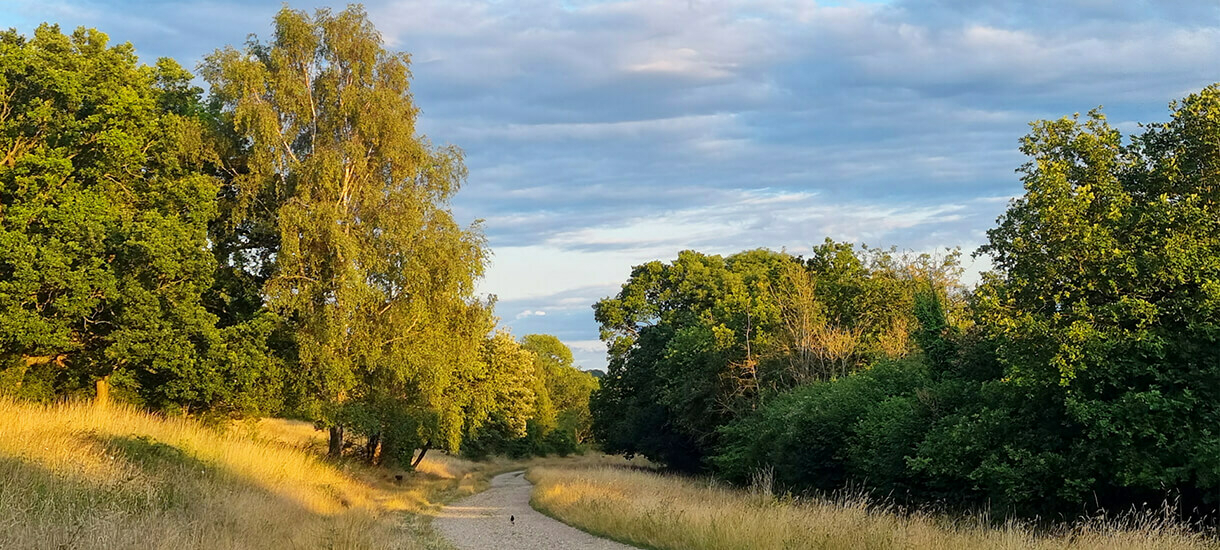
[[587, 346], [683, 62], [538, 271], [596, 259], [531, 313]]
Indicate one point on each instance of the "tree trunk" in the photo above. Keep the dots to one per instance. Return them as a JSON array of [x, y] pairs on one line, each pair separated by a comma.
[[373, 449], [102, 398], [422, 452], [336, 441]]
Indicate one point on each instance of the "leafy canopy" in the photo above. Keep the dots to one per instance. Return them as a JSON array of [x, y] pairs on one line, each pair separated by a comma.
[[373, 274], [103, 231]]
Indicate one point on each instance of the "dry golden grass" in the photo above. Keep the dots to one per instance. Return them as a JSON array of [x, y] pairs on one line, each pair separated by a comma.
[[294, 433], [75, 476], [653, 510]]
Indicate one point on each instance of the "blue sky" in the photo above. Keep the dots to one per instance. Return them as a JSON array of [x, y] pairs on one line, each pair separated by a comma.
[[603, 134]]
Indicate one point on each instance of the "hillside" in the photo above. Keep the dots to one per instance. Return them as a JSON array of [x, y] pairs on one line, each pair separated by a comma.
[[73, 475]]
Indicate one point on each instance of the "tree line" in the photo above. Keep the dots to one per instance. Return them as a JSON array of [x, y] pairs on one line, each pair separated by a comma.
[[280, 245], [1081, 374]]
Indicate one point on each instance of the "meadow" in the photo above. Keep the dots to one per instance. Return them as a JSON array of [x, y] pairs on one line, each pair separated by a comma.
[[658, 511], [74, 475]]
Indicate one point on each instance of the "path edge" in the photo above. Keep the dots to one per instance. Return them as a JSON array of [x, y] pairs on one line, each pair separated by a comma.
[[594, 532]]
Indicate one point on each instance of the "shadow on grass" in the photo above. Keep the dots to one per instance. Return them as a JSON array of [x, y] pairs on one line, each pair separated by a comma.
[[148, 453], [154, 491]]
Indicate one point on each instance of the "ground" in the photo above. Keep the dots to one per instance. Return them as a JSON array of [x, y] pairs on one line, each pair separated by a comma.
[[483, 521]]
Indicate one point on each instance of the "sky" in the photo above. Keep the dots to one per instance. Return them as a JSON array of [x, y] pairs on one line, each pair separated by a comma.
[[603, 134]]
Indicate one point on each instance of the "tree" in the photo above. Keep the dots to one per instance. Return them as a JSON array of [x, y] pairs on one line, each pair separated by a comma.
[[567, 387], [677, 335], [370, 270], [547, 356], [558, 419], [103, 218], [1104, 300], [704, 340], [501, 398]]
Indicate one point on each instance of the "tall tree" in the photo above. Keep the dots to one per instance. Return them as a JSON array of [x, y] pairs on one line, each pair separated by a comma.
[[1105, 301], [103, 217], [679, 336], [567, 387], [371, 270]]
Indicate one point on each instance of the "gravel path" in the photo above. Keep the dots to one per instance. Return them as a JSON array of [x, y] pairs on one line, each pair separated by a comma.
[[480, 522]]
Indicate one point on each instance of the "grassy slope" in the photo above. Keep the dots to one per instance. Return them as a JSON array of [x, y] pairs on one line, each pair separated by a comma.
[[72, 476], [663, 512]]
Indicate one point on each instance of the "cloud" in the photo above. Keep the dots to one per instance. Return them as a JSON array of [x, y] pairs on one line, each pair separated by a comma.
[[587, 345], [578, 260], [531, 313]]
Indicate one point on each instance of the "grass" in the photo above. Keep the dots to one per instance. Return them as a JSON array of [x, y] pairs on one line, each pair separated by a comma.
[[658, 511], [75, 476]]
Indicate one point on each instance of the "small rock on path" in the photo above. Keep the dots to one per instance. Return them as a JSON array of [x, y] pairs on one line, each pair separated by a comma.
[[480, 522]]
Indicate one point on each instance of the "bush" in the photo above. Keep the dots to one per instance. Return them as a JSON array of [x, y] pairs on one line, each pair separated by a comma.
[[824, 434]]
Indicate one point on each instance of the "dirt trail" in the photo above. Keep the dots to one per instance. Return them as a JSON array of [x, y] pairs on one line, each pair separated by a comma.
[[481, 522]]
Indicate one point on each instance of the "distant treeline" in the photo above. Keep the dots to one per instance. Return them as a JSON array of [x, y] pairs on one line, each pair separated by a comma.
[[1081, 374], [283, 245]]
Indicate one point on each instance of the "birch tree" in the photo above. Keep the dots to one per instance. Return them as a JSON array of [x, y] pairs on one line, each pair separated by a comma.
[[371, 270]]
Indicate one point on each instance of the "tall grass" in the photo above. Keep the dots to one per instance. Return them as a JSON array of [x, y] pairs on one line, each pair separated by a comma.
[[653, 510], [75, 476]]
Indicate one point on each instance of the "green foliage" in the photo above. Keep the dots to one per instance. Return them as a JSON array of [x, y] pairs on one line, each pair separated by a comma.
[[103, 231], [702, 341], [340, 208], [675, 332], [509, 384], [826, 433], [566, 387], [286, 247], [1104, 298], [1082, 375], [560, 427]]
